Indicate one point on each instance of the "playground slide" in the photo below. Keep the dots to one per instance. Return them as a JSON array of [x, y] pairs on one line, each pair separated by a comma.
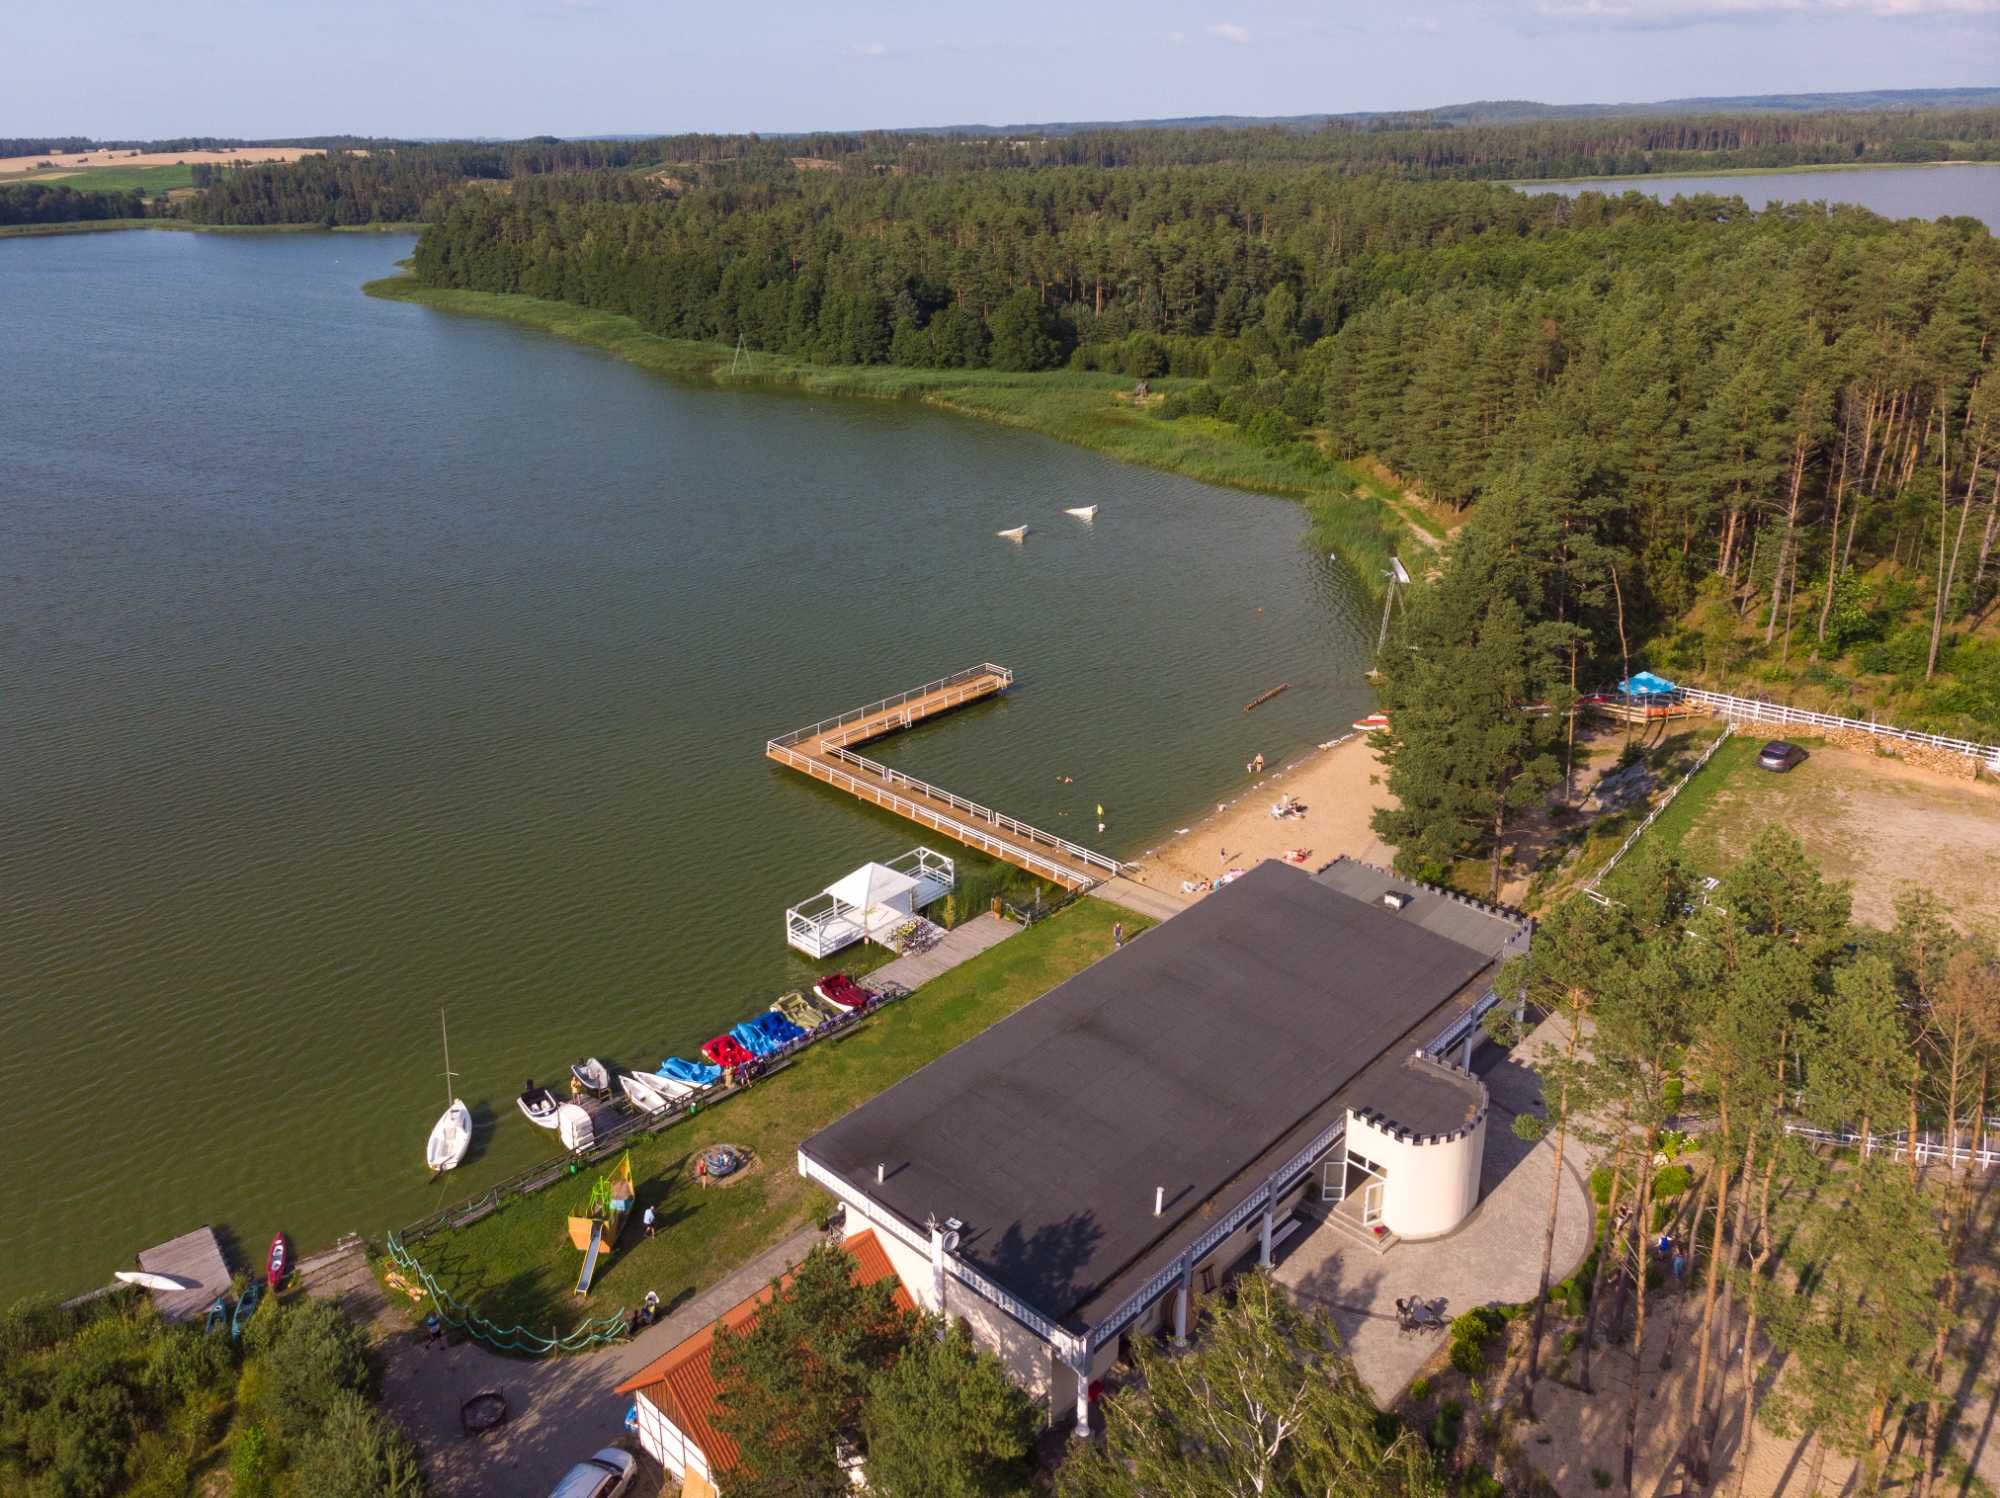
[[590, 1258]]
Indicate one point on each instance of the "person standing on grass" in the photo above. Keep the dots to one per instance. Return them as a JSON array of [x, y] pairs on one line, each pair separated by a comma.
[[1117, 934], [648, 1220]]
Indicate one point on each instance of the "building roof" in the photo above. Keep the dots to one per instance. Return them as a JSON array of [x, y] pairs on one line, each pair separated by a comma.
[[681, 1384], [1491, 929], [1182, 1061]]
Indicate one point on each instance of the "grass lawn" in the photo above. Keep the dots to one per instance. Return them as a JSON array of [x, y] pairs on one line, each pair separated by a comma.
[[517, 1265], [154, 181], [1088, 409], [1685, 826]]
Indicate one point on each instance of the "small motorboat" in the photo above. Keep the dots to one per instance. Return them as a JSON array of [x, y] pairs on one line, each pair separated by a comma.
[[540, 1105], [279, 1262], [593, 1076], [145, 1279], [1013, 533], [1372, 722], [245, 1309], [574, 1127], [451, 1137], [1083, 512], [699, 1073]]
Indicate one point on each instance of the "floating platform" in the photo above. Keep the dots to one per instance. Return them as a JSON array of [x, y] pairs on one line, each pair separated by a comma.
[[196, 1257], [824, 752]]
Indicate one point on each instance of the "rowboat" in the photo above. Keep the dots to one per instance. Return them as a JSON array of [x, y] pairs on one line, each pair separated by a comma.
[[652, 1092], [450, 1138], [1083, 512], [245, 1309], [279, 1262], [1013, 533], [593, 1075], [145, 1279], [539, 1104]]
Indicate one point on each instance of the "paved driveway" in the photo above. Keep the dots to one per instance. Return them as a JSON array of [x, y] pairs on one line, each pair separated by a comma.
[[1495, 1256]]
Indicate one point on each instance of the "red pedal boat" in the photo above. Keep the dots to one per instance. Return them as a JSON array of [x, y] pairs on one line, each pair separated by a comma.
[[727, 1050], [281, 1260]]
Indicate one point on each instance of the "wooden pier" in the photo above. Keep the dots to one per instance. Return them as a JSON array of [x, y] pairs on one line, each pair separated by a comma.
[[824, 752]]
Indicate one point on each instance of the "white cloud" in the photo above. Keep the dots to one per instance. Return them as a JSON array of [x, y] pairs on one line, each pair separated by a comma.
[[1229, 31], [867, 49]]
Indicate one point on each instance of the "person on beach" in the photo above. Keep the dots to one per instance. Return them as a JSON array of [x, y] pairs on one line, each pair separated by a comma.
[[1257, 765]]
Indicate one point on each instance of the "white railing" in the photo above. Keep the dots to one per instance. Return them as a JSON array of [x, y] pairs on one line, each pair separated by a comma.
[[874, 709], [1590, 885], [929, 816], [1897, 1146], [973, 808], [1274, 1186], [1750, 710]]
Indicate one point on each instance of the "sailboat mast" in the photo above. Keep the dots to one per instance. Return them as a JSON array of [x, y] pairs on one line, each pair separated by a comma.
[[448, 1072]]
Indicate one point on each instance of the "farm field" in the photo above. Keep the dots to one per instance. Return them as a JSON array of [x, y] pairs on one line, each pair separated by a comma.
[[154, 181]]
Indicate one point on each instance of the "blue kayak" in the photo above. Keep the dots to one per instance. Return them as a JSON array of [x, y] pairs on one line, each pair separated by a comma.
[[698, 1072]]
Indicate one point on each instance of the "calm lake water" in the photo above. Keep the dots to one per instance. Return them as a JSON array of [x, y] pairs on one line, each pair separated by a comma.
[[358, 661], [1893, 192]]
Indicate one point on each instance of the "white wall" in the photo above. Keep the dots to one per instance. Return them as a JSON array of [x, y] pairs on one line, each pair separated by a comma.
[[1430, 1187]]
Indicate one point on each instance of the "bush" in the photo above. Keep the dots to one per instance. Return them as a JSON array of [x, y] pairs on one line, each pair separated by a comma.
[[250, 1465], [358, 1453], [1480, 1483], [315, 1355], [1599, 1478], [1420, 1388], [1469, 1358], [1443, 1436], [1671, 1182]]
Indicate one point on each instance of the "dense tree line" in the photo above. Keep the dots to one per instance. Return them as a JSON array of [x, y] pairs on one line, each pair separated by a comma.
[[1703, 1026], [59, 203]]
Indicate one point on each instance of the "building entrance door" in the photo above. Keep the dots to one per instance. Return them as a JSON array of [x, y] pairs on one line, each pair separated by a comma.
[[1371, 1202]]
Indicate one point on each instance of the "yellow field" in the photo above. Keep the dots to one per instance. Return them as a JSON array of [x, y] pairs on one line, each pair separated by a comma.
[[71, 163]]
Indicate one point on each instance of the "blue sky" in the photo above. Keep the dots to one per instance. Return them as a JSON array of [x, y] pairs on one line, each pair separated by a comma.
[[137, 68]]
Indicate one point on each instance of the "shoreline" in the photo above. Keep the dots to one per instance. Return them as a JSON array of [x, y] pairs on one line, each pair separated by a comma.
[[1525, 184], [188, 226], [1087, 410]]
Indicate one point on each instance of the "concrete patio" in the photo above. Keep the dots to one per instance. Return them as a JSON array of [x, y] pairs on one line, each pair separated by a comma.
[[1493, 1257]]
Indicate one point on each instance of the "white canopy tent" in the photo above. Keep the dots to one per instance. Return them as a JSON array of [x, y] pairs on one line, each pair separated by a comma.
[[870, 903]]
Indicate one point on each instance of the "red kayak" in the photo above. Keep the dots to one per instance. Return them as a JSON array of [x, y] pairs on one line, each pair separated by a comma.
[[281, 1260]]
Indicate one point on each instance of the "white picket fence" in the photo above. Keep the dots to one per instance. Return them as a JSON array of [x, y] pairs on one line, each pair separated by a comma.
[[1590, 885], [1931, 1148], [1749, 710]]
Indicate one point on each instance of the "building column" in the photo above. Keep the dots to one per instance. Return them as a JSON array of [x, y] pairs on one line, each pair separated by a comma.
[[1181, 1305], [1264, 1245], [1080, 1368], [1465, 1060]]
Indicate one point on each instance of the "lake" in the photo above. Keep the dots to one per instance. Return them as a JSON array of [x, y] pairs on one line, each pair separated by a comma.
[[1971, 189], [359, 662]]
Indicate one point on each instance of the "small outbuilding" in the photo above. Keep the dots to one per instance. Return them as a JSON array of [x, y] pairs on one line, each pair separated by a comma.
[[871, 904], [676, 1395]]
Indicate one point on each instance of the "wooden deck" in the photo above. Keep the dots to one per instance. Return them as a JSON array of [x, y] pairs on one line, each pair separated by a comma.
[[195, 1256], [823, 751]]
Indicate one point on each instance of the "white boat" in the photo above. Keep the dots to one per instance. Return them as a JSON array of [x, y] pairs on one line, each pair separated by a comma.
[[450, 1138], [1083, 512], [451, 1135], [651, 1091], [540, 1105], [593, 1074], [1015, 534], [573, 1124], [147, 1280]]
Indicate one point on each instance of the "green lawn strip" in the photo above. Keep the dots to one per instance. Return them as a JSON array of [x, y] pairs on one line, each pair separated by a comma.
[[152, 180], [1080, 408], [517, 1265], [1678, 829]]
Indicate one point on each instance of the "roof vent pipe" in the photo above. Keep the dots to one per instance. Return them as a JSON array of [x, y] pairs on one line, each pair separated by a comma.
[[878, 1174], [1159, 1200]]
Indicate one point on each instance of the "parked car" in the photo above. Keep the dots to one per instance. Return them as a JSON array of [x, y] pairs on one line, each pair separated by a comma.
[[602, 1475], [1780, 756]]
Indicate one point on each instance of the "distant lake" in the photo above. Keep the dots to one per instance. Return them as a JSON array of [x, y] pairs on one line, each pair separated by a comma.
[[1930, 192], [359, 661]]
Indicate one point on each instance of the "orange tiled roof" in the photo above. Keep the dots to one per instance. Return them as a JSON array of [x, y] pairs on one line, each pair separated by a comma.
[[681, 1384]]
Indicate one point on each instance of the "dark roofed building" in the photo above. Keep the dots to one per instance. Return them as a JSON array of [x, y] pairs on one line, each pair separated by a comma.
[[1079, 1169]]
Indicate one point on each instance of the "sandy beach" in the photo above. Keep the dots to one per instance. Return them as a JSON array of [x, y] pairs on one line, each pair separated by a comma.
[[1340, 788]]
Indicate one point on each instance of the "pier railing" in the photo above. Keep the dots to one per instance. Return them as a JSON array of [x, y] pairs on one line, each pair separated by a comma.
[[984, 671], [1110, 866]]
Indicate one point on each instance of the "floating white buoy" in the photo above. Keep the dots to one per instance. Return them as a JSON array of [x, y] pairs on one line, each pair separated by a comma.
[[1083, 512], [1015, 534]]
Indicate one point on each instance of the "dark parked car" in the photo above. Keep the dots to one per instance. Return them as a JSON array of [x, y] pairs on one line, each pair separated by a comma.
[[609, 1472], [1780, 756]]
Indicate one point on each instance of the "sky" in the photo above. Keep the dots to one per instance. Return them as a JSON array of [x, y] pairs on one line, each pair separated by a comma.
[[116, 69]]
